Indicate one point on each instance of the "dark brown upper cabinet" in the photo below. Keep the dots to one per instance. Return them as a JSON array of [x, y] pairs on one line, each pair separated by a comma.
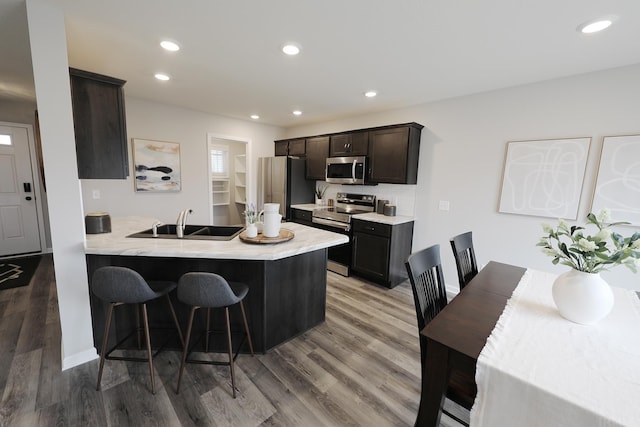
[[349, 144], [393, 154], [290, 147], [316, 155], [100, 125], [282, 148]]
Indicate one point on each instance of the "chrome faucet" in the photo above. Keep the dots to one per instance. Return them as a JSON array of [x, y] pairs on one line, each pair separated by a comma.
[[154, 227], [181, 222]]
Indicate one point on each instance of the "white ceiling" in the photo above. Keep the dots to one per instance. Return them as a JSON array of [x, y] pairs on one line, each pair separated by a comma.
[[410, 51]]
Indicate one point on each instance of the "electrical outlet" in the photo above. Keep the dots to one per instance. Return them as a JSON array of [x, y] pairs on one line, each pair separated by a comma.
[[443, 205], [96, 194]]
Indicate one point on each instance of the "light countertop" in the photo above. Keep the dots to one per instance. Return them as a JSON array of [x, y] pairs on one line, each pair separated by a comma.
[[306, 239], [306, 207], [390, 220]]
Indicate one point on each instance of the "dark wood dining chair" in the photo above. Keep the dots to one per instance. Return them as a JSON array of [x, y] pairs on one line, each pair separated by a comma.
[[465, 257], [429, 294]]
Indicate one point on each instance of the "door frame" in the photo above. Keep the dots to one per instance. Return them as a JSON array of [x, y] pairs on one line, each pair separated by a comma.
[[37, 180], [249, 161]]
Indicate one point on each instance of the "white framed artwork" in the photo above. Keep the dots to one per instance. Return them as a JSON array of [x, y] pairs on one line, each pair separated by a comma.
[[544, 177], [618, 183], [157, 165]]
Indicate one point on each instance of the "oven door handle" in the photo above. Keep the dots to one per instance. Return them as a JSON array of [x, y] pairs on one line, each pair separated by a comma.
[[334, 224]]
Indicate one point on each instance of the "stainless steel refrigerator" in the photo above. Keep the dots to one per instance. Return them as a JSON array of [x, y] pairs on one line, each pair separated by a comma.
[[281, 180]]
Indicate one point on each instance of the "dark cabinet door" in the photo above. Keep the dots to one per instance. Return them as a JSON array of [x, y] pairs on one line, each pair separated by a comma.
[[317, 151], [290, 147], [100, 126], [282, 148], [393, 154], [349, 144], [297, 147], [380, 251], [371, 255], [388, 155]]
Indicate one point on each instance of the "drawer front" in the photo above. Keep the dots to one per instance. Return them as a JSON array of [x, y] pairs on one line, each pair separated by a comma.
[[374, 228], [300, 215]]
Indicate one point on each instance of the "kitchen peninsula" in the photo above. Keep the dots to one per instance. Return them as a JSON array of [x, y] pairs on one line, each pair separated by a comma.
[[287, 281]]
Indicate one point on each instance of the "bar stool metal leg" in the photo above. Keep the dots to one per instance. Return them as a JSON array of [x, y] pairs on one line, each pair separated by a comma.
[[149, 354], [105, 338], [233, 379], [246, 327], [186, 346], [175, 320]]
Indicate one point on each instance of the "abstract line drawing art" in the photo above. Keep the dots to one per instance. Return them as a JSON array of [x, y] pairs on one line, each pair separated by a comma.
[[157, 165], [618, 183], [544, 177]]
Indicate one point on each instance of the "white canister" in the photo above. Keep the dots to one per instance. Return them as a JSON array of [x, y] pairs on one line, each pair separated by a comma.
[[271, 207], [271, 227]]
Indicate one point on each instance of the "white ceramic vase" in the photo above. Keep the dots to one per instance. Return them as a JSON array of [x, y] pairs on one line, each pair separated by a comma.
[[252, 230], [581, 297]]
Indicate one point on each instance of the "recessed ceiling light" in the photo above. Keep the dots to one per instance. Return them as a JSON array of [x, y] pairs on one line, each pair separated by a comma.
[[370, 93], [255, 116], [594, 26], [291, 49], [170, 46], [297, 112], [161, 76]]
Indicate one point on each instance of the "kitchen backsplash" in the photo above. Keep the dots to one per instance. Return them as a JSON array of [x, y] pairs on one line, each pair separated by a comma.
[[403, 196]]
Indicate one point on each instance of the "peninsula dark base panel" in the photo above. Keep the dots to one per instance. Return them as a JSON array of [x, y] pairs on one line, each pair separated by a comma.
[[286, 298]]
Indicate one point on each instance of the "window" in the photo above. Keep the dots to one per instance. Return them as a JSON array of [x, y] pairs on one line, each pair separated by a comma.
[[219, 160], [5, 139]]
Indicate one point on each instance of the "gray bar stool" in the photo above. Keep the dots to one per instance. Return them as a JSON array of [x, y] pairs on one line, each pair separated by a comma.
[[121, 285], [210, 290]]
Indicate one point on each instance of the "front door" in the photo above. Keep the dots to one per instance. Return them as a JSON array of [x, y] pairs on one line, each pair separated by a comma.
[[19, 231]]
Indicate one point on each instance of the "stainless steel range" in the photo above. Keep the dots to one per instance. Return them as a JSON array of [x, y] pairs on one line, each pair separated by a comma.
[[338, 219]]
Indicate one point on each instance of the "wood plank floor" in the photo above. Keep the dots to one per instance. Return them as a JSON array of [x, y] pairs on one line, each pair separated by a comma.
[[360, 368]]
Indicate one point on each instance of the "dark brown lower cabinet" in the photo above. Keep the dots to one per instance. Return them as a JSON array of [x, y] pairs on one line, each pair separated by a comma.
[[380, 251]]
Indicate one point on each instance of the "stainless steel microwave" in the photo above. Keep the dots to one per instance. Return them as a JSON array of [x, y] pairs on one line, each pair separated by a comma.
[[346, 170]]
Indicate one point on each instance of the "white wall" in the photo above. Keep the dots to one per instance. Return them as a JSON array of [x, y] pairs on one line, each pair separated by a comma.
[[462, 158], [150, 120]]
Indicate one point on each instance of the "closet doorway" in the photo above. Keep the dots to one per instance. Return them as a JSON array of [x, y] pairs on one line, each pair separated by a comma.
[[228, 179]]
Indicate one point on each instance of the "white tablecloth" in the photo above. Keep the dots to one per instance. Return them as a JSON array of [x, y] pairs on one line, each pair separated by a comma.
[[539, 369]]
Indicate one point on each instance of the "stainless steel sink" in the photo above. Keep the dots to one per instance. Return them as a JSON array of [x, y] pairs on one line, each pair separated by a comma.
[[193, 232]]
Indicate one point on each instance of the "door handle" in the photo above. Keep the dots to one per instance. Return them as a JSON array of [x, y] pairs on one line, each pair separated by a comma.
[[28, 197], [27, 187]]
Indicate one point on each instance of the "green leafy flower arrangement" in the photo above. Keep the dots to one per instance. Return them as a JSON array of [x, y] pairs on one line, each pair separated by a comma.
[[570, 246], [320, 192], [251, 214]]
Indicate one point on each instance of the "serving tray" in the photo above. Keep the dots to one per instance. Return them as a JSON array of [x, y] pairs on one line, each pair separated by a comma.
[[285, 236]]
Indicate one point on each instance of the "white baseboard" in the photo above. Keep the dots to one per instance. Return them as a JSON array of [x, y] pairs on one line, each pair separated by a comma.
[[79, 358]]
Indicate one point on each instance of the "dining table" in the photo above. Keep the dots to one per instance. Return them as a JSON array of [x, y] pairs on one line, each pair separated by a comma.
[[532, 367], [456, 336]]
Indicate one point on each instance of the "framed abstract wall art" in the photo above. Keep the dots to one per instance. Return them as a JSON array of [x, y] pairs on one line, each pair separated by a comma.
[[157, 165], [618, 183], [544, 177]]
